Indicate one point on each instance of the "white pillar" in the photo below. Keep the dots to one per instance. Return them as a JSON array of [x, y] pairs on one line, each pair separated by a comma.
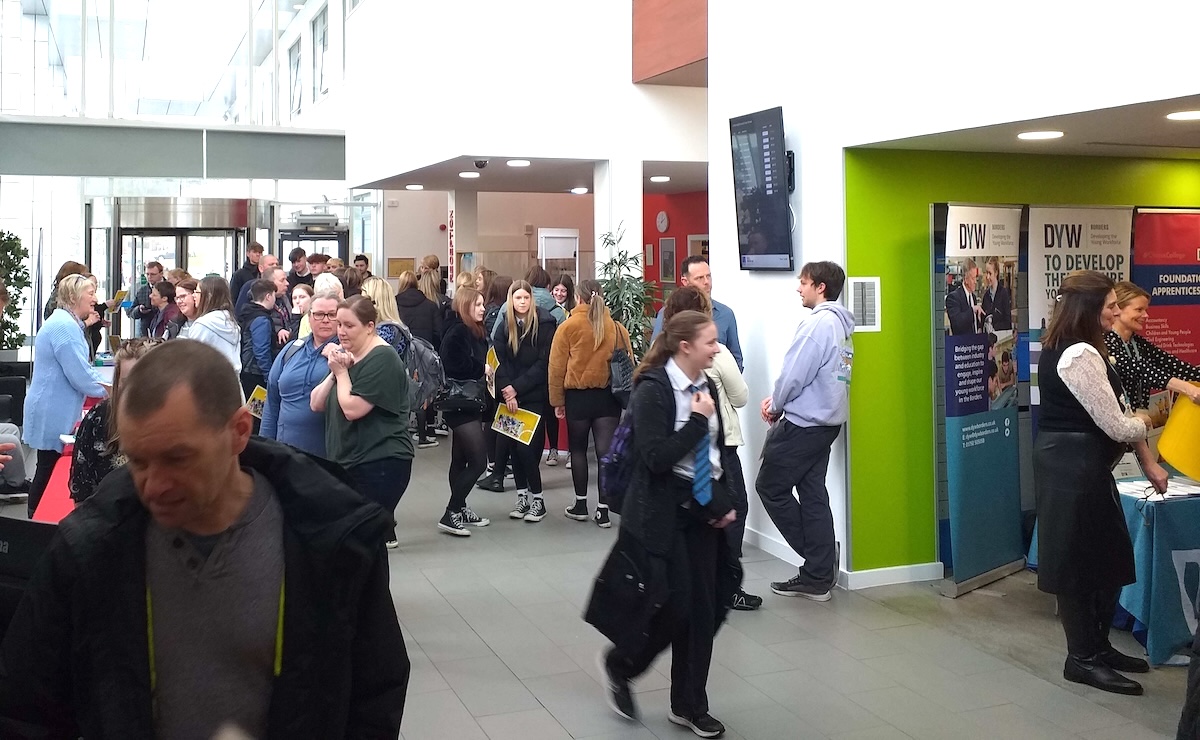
[[618, 204], [463, 225]]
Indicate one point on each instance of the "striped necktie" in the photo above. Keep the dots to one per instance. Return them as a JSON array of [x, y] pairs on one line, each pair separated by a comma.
[[702, 466]]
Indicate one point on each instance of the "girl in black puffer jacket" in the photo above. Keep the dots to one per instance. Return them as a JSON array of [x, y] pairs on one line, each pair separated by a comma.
[[423, 317]]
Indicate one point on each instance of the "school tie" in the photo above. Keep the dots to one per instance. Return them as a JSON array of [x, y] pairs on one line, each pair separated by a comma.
[[702, 466]]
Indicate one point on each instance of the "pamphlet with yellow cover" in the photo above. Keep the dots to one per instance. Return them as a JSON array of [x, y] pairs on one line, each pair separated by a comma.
[[519, 426], [258, 401], [493, 362]]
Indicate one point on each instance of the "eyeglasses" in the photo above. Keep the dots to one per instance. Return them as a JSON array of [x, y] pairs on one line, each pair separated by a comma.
[[323, 316]]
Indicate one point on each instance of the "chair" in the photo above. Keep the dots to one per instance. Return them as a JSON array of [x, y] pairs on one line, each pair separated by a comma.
[[12, 399]]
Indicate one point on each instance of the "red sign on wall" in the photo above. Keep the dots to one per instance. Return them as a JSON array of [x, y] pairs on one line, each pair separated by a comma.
[[1166, 263]]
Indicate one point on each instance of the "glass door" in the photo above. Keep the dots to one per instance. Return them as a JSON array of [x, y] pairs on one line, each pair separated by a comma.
[[210, 253], [138, 248], [332, 243]]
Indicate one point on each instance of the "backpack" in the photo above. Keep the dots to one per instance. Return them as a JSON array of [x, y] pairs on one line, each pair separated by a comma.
[[616, 467], [425, 375]]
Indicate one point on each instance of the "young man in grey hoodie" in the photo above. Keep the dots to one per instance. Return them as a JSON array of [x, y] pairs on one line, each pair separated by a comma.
[[806, 411]]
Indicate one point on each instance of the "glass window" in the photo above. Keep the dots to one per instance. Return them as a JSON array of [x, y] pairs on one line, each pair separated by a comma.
[[320, 32], [294, 77]]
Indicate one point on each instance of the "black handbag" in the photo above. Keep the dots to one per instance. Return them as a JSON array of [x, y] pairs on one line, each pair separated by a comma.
[[469, 396]]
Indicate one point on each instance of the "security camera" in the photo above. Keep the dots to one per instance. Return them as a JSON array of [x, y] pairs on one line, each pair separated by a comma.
[[480, 164]]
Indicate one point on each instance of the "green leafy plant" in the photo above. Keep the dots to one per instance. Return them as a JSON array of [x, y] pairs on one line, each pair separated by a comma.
[[628, 296], [14, 272]]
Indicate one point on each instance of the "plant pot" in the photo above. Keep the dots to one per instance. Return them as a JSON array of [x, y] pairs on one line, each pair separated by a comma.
[[8, 355]]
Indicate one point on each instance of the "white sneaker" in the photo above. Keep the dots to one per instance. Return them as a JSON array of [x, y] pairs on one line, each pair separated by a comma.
[[552, 458]]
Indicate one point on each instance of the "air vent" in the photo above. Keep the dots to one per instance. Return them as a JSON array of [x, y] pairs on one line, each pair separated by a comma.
[[864, 303]]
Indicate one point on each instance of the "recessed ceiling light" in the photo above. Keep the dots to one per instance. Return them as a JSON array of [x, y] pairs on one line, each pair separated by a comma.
[[468, 175], [414, 186], [579, 191], [1185, 115], [518, 163], [1039, 135], [660, 178]]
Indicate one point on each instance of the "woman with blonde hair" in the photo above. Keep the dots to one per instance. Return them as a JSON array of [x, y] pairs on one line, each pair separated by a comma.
[[389, 327], [62, 379], [1142, 365], [527, 333], [581, 389]]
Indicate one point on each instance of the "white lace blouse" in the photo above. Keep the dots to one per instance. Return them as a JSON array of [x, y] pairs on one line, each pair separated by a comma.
[[1085, 374]]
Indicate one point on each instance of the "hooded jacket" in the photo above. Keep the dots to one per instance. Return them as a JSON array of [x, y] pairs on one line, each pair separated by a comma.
[[75, 660], [422, 316], [813, 389], [218, 330], [258, 348]]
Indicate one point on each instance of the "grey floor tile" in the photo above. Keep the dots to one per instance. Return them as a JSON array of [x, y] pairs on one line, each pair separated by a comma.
[[944, 649], [1126, 732], [653, 707], [562, 622], [439, 716], [577, 703], [534, 658], [833, 667], [766, 627], [771, 723], [445, 638], [876, 733], [816, 704], [522, 588], [852, 639], [865, 612], [632, 732], [744, 656], [486, 686], [942, 686], [1011, 722], [584, 656], [728, 692], [1052, 703], [423, 677], [535, 724], [915, 715]]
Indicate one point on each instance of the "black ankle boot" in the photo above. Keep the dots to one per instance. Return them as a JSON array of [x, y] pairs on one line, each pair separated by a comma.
[[1119, 661], [1093, 672]]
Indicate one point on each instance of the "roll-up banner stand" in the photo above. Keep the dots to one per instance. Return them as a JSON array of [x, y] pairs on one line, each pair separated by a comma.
[[1166, 263], [976, 270]]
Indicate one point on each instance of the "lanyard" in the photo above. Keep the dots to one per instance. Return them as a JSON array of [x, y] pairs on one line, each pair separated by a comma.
[[278, 666], [1135, 356]]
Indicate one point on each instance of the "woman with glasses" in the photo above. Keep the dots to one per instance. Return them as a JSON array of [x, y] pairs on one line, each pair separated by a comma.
[[216, 325], [97, 445], [298, 369], [187, 293]]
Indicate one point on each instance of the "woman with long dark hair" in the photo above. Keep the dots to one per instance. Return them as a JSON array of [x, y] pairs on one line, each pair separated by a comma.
[[527, 333], [365, 401], [215, 324], [581, 389], [464, 358], [676, 504], [563, 292], [1085, 554]]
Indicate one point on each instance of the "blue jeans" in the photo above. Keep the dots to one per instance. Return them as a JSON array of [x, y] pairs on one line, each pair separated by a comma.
[[382, 481]]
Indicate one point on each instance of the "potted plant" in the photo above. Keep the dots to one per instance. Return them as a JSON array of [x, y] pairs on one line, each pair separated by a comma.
[[628, 296], [14, 274]]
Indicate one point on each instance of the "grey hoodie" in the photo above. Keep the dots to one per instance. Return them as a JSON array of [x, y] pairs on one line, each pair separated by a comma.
[[542, 298], [813, 388], [218, 330]]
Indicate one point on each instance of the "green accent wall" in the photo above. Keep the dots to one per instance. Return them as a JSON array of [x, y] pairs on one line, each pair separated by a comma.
[[888, 193]]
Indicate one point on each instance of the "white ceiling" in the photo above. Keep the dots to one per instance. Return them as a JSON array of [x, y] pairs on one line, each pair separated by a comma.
[[542, 176], [1140, 130]]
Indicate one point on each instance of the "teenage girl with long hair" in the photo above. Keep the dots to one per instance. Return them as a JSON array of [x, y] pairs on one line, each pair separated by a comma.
[[527, 333], [464, 357], [563, 291], [581, 390]]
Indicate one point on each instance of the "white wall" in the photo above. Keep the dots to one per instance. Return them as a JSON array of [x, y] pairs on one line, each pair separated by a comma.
[[854, 73]]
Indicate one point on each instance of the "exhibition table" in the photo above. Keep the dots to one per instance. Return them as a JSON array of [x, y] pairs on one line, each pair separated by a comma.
[[56, 501]]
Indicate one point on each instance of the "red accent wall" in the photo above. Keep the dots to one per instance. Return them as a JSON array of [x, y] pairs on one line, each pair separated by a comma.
[[687, 213], [667, 35]]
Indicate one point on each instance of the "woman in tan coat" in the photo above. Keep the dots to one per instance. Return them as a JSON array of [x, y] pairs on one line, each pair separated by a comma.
[[580, 389]]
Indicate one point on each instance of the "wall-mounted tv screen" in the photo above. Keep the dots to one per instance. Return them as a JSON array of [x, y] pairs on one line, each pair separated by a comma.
[[760, 175]]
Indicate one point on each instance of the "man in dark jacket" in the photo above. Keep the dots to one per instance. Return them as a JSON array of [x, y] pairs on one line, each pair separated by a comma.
[[299, 273], [259, 346], [214, 581], [248, 271]]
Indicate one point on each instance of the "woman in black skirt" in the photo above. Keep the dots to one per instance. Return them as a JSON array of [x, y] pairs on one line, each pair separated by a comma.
[[1085, 554]]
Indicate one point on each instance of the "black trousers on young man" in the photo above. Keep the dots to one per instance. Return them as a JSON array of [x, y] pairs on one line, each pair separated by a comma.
[[796, 457]]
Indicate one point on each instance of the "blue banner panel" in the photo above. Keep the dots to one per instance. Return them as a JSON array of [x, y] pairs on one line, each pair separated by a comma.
[[966, 375]]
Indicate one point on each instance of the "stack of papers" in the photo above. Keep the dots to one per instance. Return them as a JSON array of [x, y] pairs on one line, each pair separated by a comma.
[[1177, 487]]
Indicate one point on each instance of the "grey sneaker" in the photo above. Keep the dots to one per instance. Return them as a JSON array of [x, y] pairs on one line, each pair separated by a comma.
[[796, 586], [537, 510], [521, 509]]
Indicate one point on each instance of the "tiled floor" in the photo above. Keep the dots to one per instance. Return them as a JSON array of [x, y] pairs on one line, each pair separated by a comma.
[[499, 649]]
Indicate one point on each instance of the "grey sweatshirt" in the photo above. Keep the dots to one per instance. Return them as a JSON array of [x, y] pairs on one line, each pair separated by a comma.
[[813, 388]]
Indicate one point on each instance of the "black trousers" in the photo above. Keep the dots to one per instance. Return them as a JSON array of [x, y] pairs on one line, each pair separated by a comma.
[[798, 457], [1086, 620], [383, 481], [687, 622], [736, 485], [526, 459], [46, 460]]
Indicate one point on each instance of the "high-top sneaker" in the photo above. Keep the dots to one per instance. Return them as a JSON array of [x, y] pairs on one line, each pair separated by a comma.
[[537, 510], [521, 509]]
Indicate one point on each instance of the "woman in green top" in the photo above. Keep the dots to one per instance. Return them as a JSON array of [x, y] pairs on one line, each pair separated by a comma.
[[365, 401]]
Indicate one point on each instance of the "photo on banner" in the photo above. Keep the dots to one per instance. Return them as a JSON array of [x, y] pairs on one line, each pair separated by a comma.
[[980, 251]]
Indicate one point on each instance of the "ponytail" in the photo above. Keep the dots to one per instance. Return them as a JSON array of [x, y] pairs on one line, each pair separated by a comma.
[[682, 327], [589, 292]]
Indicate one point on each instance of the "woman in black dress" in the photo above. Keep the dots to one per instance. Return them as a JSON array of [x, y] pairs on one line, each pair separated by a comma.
[[1085, 553]]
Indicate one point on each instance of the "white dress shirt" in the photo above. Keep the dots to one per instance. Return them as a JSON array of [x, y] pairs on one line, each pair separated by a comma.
[[681, 385]]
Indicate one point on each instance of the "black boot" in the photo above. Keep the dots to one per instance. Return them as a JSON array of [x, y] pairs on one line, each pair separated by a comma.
[[1093, 672], [1119, 661]]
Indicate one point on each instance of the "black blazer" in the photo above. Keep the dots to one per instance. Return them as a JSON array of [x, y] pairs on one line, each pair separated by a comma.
[[526, 370], [958, 310], [999, 308]]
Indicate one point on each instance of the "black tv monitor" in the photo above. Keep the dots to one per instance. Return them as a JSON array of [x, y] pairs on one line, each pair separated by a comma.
[[760, 176], [22, 544]]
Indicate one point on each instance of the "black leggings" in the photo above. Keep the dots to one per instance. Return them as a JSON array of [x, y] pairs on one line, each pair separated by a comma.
[[551, 425], [468, 460], [46, 460], [526, 459], [601, 429]]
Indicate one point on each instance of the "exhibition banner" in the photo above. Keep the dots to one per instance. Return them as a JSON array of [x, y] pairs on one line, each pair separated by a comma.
[[980, 250], [1062, 240], [1166, 263]]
